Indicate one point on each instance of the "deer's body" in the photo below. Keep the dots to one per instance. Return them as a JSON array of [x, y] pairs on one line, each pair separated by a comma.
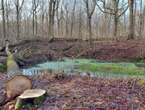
[[17, 85], [17, 82]]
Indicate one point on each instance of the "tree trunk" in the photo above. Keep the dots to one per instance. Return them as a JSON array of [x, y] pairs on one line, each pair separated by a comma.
[[115, 25], [80, 24], [7, 19], [42, 20], [50, 19], [3, 18], [73, 18], [131, 19], [33, 24], [58, 27], [53, 15], [90, 31], [141, 20], [90, 10], [66, 26], [36, 26], [18, 19], [116, 3], [125, 23], [52, 6], [66, 21], [34, 17]]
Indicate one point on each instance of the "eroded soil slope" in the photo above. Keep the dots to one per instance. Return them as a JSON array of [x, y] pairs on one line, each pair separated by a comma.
[[34, 51]]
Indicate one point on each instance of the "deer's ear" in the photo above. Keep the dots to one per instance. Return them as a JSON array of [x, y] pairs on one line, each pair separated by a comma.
[[15, 51], [7, 42]]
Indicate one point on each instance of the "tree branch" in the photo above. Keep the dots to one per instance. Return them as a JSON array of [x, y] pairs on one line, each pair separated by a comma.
[[104, 10], [123, 12]]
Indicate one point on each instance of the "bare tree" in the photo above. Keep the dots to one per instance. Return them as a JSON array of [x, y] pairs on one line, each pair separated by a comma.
[[124, 21], [18, 6], [141, 20], [131, 19], [144, 19], [80, 23], [59, 15], [3, 18], [116, 10], [52, 10], [7, 12], [72, 18], [90, 8], [35, 4], [66, 19], [62, 21], [43, 13]]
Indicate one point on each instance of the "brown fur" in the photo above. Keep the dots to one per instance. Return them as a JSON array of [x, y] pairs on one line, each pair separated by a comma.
[[17, 85]]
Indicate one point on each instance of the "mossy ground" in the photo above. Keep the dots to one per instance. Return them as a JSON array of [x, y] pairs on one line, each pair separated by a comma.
[[115, 68]]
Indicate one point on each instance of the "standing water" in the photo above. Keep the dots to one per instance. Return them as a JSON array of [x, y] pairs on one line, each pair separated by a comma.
[[93, 67]]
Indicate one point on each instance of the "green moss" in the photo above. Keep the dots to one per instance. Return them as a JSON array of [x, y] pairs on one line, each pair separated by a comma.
[[113, 68], [2, 68], [38, 101]]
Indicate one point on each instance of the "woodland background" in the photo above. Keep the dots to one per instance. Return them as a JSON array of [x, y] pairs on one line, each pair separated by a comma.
[[72, 19]]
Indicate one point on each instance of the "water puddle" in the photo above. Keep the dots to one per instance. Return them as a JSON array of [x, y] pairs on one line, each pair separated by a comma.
[[89, 66]]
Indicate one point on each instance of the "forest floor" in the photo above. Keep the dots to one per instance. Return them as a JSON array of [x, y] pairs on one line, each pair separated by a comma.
[[85, 93]]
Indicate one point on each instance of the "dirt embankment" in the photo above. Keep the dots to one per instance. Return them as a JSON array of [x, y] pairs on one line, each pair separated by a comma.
[[35, 51]]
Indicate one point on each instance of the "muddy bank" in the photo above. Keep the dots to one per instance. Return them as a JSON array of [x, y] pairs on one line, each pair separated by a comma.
[[34, 51], [85, 93]]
